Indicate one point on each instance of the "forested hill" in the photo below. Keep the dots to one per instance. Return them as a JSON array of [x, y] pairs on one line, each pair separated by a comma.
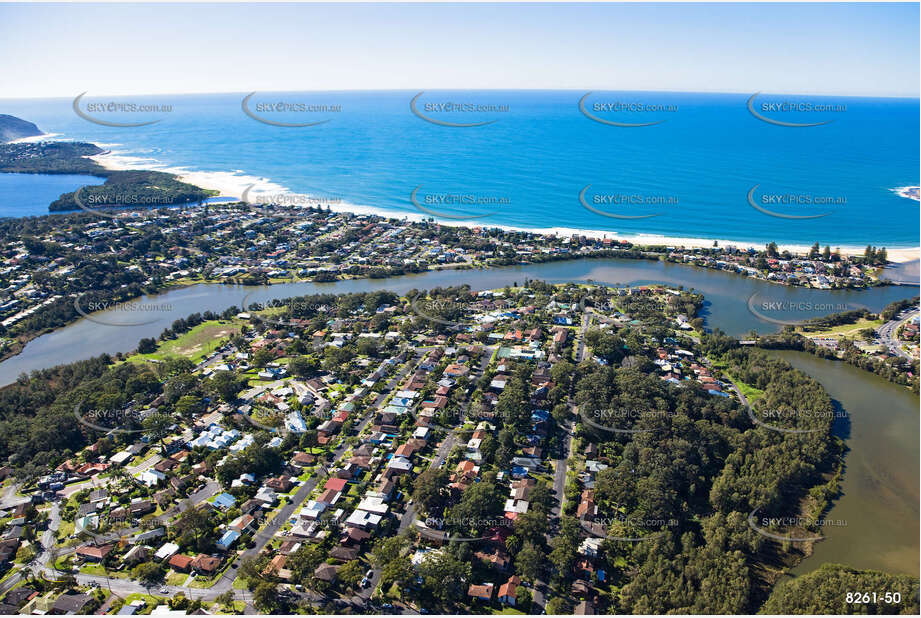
[[127, 188], [12, 128], [51, 158], [137, 188]]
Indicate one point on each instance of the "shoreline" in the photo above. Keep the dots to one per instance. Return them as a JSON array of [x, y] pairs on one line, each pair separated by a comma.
[[234, 184]]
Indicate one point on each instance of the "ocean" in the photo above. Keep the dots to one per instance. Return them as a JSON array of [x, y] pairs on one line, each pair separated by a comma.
[[704, 166]]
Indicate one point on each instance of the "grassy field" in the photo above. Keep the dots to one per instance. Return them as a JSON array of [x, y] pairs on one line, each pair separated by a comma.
[[842, 330], [195, 344], [65, 530], [750, 392], [96, 569], [151, 601]]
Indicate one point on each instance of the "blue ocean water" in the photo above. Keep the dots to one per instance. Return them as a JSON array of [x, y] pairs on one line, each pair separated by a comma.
[[694, 169]]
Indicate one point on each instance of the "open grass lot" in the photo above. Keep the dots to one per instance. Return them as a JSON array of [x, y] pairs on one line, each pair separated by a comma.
[[842, 330], [96, 569], [151, 601], [750, 392], [195, 344]]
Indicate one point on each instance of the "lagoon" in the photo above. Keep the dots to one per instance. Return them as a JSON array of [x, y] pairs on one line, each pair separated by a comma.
[[726, 306], [28, 195]]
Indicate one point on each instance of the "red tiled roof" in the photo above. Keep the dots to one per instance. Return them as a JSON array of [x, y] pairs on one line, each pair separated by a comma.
[[336, 484]]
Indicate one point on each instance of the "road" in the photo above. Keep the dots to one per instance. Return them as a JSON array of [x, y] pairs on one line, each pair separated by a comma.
[[560, 467], [580, 346], [10, 500], [888, 330], [441, 454]]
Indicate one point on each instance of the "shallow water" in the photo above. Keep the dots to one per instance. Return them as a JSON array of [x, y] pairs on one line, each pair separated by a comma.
[[880, 484]]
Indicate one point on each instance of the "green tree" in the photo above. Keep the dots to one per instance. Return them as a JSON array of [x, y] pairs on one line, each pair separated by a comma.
[[148, 574], [529, 562], [350, 573], [226, 385]]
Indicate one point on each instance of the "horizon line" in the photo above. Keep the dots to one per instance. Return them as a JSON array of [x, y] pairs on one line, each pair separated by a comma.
[[468, 89]]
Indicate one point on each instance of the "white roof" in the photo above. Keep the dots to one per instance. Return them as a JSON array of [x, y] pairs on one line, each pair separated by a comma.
[[166, 551], [120, 457], [363, 518], [373, 504], [400, 463], [516, 506]]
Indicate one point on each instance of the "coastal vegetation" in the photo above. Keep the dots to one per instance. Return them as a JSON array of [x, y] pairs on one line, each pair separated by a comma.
[[132, 188], [51, 158], [698, 461], [839, 589], [849, 329]]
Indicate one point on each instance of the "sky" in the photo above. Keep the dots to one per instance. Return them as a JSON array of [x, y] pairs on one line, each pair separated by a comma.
[[50, 50]]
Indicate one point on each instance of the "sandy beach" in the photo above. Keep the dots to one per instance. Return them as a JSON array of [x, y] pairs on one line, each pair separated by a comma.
[[44, 137], [233, 184], [229, 184]]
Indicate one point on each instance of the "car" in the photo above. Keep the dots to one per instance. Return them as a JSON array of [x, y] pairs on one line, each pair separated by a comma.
[[364, 582], [299, 587], [164, 591], [370, 573]]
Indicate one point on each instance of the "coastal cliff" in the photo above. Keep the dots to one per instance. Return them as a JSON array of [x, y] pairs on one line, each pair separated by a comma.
[[13, 128]]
